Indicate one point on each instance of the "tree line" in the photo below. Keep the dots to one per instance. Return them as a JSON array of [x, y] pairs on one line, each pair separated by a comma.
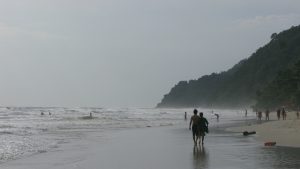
[[252, 81]]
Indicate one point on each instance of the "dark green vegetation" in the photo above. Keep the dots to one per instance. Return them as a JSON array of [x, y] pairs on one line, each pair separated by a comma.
[[283, 91], [268, 77]]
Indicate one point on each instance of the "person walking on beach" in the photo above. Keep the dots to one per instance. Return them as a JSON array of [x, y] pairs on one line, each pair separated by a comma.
[[194, 125], [278, 114], [267, 114], [259, 115], [203, 127], [283, 113]]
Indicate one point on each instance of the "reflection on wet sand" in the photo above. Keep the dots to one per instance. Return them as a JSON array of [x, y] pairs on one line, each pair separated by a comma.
[[279, 157], [200, 157]]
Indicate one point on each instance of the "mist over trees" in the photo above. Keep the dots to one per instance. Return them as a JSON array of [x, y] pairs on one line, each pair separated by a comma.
[[270, 71]]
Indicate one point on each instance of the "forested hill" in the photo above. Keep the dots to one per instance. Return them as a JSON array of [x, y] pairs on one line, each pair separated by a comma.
[[240, 85]]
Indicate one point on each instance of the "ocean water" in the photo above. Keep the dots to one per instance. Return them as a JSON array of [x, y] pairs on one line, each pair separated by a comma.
[[25, 131]]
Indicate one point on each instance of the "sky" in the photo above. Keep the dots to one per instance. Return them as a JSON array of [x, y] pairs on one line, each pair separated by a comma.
[[125, 53]]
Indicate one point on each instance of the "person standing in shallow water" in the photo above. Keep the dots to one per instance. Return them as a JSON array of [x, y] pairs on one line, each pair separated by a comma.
[[194, 125], [203, 127]]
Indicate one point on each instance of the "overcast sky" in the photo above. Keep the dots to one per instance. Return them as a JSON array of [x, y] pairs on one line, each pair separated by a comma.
[[125, 53]]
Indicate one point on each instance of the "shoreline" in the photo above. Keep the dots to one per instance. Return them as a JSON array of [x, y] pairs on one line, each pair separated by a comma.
[[117, 149], [169, 147], [285, 133]]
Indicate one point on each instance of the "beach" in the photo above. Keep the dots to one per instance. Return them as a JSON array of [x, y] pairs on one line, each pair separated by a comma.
[[168, 147], [283, 132], [142, 141]]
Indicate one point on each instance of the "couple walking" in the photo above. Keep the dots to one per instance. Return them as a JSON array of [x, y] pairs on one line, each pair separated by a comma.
[[199, 126]]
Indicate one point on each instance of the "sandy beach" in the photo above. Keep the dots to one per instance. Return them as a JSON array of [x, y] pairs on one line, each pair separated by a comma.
[[160, 147], [283, 132]]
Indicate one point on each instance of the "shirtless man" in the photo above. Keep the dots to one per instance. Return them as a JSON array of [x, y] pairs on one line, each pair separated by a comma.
[[195, 120]]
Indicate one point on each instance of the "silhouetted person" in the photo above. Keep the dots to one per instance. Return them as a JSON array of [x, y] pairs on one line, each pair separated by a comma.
[[267, 114], [194, 124], [259, 115], [283, 113], [218, 116], [278, 114], [185, 116], [203, 127], [246, 112]]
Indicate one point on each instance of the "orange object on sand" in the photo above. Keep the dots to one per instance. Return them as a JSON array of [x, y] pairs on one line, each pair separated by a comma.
[[270, 143]]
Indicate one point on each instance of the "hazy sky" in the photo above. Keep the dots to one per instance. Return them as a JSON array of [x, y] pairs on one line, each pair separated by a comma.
[[125, 53]]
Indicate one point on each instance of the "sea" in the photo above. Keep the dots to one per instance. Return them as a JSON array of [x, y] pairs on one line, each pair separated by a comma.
[[30, 130], [26, 131]]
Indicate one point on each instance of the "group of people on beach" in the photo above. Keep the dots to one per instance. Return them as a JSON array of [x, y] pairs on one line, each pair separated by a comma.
[[199, 126], [267, 115], [280, 112]]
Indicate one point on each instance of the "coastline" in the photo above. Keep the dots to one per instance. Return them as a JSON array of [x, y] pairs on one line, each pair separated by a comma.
[[168, 147], [129, 149], [284, 132]]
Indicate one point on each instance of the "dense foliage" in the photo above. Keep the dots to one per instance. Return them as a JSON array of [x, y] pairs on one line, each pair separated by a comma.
[[240, 85], [283, 91]]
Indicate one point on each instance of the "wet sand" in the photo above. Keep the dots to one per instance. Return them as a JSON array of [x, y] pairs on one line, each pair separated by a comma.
[[283, 132], [161, 147]]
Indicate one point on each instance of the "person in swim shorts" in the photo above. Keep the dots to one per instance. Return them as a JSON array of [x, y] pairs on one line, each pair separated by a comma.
[[194, 125]]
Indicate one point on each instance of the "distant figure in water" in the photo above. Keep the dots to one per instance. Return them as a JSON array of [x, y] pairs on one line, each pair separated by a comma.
[[185, 116], [194, 125], [49, 113], [259, 115], [246, 112], [217, 115], [87, 117], [42, 113], [203, 127], [278, 114], [267, 114]]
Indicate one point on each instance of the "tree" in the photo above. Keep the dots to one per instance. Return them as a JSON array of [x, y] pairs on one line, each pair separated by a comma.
[[274, 36]]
